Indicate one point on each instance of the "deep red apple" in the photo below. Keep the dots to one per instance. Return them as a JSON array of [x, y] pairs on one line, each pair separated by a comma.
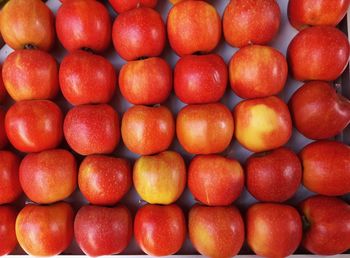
[[3, 136], [9, 180], [103, 231], [3, 91], [8, 238], [200, 79], [121, 6]]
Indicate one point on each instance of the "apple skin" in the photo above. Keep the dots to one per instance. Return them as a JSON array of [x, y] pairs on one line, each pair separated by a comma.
[[92, 129], [7, 229], [48, 176], [205, 128], [326, 167], [3, 91], [103, 230], [87, 78], [200, 79], [193, 26], [161, 178], [34, 23], [138, 33], [262, 124], [318, 111], [104, 180], [318, 53], [305, 13], [24, 72], [257, 71], [34, 125], [3, 136], [273, 230], [121, 6], [328, 231], [215, 180], [148, 130], [251, 22], [274, 176], [139, 81], [160, 230], [83, 24], [216, 231]]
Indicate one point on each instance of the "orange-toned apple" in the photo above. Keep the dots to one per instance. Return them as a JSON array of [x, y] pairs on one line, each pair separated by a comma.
[[8, 238], [121, 6], [3, 91], [262, 124], [3, 136], [216, 231], [9, 180], [161, 178], [205, 129]]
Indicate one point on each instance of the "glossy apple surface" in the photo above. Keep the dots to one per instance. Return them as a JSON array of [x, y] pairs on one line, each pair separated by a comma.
[[9, 179], [121, 6], [3, 136], [3, 91], [7, 230]]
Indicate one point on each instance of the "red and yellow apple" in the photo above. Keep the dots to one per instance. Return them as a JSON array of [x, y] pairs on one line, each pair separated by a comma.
[[3, 136], [8, 238], [9, 180], [121, 6], [3, 91]]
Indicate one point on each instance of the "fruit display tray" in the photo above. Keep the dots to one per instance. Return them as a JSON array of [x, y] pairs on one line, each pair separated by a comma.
[[132, 200]]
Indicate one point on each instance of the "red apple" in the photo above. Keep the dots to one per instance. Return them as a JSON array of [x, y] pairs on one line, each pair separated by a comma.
[[146, 82], [273, 230], [121, 6], [326, 167], [104, 180], [27, 24], [148, 130], [161, 178], [318, 53], [193, 26], [92, 129], [273, 176], [216, 231], [318, 111], [3, 136], [251, 22], [215, 180], [30, 74], [34, 125], [139, 33], [9, 180], [257, 71], [204, 129], [160, 230], [103, 231], [83, 24], [3, 91], [304, 13], [8, 238], [262, 124], [200, 79], [45, 230], [87, 78], [328, 225]]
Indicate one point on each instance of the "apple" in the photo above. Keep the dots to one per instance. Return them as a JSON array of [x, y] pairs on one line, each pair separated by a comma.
[[160, 230], [48, 176], [200, 79], [83, 24], [92, 129], [148, 130], [205, 128], [161, 178], [176, 1], [3, 136], [121, 6], [305, 13], [138, 33], [193, 27], [318, 53], [146, 82], [7, 230], [273, 230], [262, 124], [215, 180], [3, 91], [104, 180], [34, 125], [45, 230], [257, 71], [27, 24], [103, 230], [24, 72], [216, 231], [86, 78], [251, 22], [327, 220], [318, 111], [274, 176], [326, 167], [9, 179]]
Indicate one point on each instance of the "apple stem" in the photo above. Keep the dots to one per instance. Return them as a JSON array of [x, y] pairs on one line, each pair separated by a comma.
[[306, 223]]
